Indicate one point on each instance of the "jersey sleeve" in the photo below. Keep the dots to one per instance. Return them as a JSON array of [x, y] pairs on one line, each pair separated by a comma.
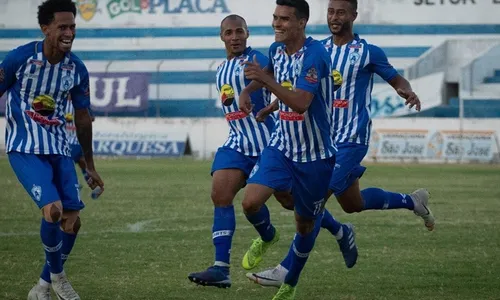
[[8, 69], [261, 59], [272, 51], [80, 94], [379, 64], [313, 70]]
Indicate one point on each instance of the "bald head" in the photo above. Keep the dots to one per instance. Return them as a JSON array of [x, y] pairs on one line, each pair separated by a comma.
[[233, 18]]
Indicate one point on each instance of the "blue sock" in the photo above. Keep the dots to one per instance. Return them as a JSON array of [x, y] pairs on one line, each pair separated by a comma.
[[222, 234], [68, 241], [52, 243], [330, 223], [262, 222], [375, 198], [302, 246]]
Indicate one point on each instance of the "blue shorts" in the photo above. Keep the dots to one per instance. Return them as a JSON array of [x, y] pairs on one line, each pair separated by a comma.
[[227, 158], [48, 178], [307, 181], [348, 167], [76, 152]]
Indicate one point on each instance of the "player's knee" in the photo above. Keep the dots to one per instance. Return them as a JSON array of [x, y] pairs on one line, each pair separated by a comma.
[[52, 213], [304, 226], [250, 206], [285, 199], [71, 225], [222, 198], [350, 202]]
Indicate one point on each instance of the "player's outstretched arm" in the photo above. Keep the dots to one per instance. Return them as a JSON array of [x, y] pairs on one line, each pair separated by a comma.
[[403, 88]]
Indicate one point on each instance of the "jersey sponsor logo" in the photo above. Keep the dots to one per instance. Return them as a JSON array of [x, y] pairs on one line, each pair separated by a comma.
[[41, 119], [227, 94], [337, 78], [67, 67], [312, 75], [36, 62], [44, 105], [288, 85], [291, 116], [340, 103], [236, 115]]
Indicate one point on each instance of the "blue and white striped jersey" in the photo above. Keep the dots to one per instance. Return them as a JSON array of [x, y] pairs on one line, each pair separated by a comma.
[[303, 137], [356, 61], [37, 94], [246, 135]]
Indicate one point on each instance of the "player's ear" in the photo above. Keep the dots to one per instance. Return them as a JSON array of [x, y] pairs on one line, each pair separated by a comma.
[[45, 29], [302, 23], [248, 32], [355, 14]]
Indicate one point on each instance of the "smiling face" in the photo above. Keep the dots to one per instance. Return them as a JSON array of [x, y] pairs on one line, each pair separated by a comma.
[[340, 17], [234, 34], [287, 27], [60, 33]]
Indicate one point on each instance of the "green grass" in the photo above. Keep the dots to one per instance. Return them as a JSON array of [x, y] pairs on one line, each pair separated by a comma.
[[153, 226]]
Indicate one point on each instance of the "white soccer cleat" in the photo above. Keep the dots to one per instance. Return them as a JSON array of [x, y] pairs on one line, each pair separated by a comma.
[[62, 287], [420, 200], [39, 292], [270, 277]]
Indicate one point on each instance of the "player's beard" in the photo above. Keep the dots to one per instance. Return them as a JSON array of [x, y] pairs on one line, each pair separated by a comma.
[[340, 30]]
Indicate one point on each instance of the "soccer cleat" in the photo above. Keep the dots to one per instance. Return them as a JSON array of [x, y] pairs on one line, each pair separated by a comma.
[[62, 287], [258, 248], [347, 245], [213, 276], [270, 277], [286, 292], [420, 199], [39, 292]]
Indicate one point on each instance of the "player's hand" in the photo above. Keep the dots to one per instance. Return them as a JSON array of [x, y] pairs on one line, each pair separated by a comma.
[[95, 181], [253, 70], [245, 103], [411, 98], [264, 113]]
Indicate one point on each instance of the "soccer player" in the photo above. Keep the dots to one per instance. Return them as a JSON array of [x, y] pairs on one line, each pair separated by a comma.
[[301, 153], [236, 158], [76, 149], [357, 61], [38, 78]]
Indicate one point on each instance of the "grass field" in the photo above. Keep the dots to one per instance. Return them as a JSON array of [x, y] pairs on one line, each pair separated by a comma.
[[153, 226]]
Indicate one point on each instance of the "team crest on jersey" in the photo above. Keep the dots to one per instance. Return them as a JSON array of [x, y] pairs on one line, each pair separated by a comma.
[[87, 8], [67, 82], [239, 67], [288, 85], [227, 94], [354, 57], [36, 191], [312, 75]]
